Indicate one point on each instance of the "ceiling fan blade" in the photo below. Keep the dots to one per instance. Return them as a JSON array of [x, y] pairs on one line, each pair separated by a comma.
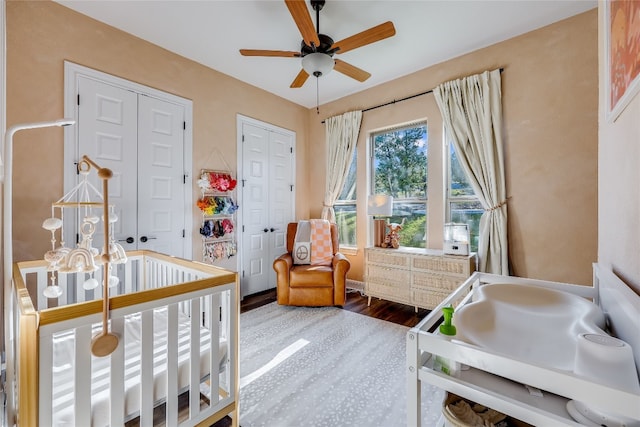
[[351, 71], [302, 18], [300, 79], [260, 52], [372, 35]]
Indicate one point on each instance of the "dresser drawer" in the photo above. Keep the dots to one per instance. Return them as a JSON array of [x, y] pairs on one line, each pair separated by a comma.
[[389, 258], [446, 265], [428, 299], [388, 292], [389, 276], [435, 281]]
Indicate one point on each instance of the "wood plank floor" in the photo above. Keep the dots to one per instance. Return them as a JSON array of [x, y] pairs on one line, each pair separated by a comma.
[[380, 309]]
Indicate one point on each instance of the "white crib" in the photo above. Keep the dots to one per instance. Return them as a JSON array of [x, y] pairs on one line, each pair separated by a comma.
[[177, 321]]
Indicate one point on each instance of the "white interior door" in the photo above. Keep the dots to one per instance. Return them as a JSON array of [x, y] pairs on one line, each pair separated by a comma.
[[161, 182], [141, 140], [267, 203], [107, 133]]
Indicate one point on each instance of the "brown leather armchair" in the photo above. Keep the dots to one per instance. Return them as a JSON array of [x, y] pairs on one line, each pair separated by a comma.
[[311, 285]]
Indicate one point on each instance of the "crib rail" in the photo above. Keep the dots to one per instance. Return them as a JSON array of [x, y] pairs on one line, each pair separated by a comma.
[[203, 297]]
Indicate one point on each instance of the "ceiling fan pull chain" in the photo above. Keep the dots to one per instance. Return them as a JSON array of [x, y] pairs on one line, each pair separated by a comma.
[[317, 95]]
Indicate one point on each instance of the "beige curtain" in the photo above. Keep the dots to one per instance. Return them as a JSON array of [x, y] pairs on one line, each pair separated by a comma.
[[342, 136], [472, 113]]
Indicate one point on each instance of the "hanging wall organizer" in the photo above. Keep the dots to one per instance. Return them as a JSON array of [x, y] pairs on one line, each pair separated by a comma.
[[218, 208]]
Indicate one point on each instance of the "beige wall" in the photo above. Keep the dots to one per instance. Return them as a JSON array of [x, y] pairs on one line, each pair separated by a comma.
[[550, 108], [618, 183], [41, 35]]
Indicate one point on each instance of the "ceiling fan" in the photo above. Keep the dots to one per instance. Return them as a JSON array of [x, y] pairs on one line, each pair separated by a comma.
[[317, 50]]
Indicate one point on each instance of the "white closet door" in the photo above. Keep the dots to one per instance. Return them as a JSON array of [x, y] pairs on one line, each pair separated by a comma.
[[280, 196], [161, 184], [256, 270], [267, 204], [107, 133], [141, 139]]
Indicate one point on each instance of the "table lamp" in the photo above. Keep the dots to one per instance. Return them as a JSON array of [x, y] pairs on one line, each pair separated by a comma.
[[379, 205]]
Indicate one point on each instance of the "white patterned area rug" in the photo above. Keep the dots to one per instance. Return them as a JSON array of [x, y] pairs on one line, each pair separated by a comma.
[[326, 366]]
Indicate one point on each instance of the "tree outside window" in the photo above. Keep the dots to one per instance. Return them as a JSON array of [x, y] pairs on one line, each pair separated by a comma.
[[399, 169]]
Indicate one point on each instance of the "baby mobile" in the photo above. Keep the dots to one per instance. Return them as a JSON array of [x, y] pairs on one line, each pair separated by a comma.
[[84, 257]]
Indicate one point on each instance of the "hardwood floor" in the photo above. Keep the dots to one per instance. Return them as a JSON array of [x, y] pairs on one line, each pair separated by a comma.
[[380, 309]]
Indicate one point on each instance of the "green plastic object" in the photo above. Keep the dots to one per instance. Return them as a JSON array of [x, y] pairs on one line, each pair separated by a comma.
[[447, 327]]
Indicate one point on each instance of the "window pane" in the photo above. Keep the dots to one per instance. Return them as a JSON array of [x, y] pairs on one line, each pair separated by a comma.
[[346, 221], [400, 163], [349, 188], [413, 233], [400, 170], [468, 212], [345, 207], [459, 183]]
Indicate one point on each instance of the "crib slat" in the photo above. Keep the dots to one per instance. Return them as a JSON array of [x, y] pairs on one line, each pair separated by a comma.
[[41, 280], [146, 369], [128, 276], [46, 380], [194, 357], [172, 365], [214, 348], [116, 373], [82, 387]]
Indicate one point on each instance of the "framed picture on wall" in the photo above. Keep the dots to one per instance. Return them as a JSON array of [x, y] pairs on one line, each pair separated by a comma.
[[622, 50]]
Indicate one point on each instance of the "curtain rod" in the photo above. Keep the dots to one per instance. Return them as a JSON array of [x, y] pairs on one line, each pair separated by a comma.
[[402, 99]]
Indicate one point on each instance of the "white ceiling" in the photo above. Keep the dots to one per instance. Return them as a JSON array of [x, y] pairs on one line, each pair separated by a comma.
[[427, 32]]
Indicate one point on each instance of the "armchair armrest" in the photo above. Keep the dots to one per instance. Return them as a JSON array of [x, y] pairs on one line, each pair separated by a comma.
[[282, 265], [341, 266]]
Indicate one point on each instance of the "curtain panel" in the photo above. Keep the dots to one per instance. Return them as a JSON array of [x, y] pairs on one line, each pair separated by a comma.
[[472, 113], [341, 138]]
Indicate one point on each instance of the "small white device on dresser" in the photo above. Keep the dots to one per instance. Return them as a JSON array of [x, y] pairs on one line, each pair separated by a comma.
[[456, 239]]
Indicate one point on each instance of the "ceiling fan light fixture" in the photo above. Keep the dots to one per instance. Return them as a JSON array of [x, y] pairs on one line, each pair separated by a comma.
[[317, 64]]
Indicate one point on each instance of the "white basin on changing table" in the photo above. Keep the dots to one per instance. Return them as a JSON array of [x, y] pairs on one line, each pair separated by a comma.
[[530, 323]]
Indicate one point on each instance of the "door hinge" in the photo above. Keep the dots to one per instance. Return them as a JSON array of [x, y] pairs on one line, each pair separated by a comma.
[[243, 228], [78, 99], [243, 181], [242, 137], [184, 178], [77, 238], [184, 125], [291, 187], [183, 234], [291, 150], [243, 274], [220, 308]]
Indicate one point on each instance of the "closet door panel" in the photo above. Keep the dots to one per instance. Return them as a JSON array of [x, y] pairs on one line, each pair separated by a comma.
[[160, 176], [107, 133], [255, 238]]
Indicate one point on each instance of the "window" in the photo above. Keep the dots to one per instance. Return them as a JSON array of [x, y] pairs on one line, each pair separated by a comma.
[[399, 168], [345, 207], [463, 205]]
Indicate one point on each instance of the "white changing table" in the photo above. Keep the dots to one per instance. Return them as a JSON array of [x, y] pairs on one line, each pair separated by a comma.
[[498, 381]]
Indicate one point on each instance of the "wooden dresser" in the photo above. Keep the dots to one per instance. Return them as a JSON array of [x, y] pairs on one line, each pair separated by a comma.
[[414, 276]]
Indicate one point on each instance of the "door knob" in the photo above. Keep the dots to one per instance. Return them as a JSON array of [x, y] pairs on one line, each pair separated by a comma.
[[128, 240], [266, 230], [272, 230], [143, 239]]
